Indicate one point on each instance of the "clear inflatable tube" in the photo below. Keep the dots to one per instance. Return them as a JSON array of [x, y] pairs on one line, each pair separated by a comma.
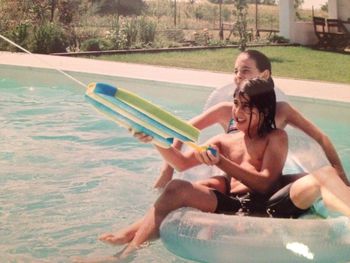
[[208, 237]]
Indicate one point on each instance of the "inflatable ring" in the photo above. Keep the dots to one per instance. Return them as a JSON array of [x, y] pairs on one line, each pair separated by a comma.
[[208, 237]]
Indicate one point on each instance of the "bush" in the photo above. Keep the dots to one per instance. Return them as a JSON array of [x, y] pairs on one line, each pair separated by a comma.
[[131, 33], [20, 35], [278, 39], [48, 38], [176, 35], [147, 31], [94, 44]]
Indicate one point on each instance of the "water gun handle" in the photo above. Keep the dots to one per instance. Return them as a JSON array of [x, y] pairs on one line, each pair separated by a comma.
[[201, 148], [212, 150]]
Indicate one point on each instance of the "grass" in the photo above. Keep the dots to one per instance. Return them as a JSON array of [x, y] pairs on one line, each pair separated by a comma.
[[289, 62]]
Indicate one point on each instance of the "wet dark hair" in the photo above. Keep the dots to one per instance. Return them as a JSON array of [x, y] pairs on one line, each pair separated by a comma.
[[262, 61], [261, 94]]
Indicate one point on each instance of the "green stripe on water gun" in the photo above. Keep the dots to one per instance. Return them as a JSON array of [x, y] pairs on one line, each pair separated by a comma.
[[158, 114], [145, 111]]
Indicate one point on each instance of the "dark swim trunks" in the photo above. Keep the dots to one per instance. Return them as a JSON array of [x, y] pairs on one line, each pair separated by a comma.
[[240, 204], [278, 205]]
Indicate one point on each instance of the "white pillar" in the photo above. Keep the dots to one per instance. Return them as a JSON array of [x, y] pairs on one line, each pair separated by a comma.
[[286, 17], [333, 9]]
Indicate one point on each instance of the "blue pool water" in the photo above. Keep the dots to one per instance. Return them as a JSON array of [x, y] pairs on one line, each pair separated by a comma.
[[68, 174]]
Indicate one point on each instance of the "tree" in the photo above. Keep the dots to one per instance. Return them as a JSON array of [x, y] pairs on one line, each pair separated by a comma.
[[241, 11], [324, 7], [297, 5], [119, 7]]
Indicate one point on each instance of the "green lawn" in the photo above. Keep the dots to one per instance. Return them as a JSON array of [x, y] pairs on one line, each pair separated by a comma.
[[290, 62]]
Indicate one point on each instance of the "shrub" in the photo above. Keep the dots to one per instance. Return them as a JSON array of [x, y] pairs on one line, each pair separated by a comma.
[[19, 35], [130, 30], [117, 36], [48, 38], [176, 35], [278, 39], [147, 31], [94, 44]]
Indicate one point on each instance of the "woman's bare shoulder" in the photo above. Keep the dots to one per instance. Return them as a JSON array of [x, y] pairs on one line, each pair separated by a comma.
[[282, 106], [278, 134]]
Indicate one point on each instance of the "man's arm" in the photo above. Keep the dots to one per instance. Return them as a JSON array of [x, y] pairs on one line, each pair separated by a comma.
[[178, 160], [219, 113]]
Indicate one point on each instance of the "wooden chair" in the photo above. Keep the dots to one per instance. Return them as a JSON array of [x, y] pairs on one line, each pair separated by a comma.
[[338, 34], [321, 32]]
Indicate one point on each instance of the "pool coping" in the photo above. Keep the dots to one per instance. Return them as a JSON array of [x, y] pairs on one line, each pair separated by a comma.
[[292, 87]]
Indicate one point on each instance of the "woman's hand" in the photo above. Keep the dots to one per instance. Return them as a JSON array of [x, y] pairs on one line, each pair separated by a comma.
[[142, 137], [206, 155], [166, 174]]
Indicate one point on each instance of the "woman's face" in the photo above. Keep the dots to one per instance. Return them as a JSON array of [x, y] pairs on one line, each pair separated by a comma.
[[245, 116], [245, 68]]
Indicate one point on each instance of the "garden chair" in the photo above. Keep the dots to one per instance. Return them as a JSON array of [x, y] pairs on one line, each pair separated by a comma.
[[338, 34], [321, 32]]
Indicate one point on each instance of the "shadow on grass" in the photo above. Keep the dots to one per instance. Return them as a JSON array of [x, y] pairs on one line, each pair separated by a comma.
[[279, 60]]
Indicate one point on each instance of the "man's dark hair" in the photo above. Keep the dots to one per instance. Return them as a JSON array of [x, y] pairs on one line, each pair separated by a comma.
[[261, 94], [262, 61]]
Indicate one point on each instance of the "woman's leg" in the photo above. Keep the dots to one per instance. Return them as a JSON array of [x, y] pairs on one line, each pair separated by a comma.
[[177, 193], [324, 183]]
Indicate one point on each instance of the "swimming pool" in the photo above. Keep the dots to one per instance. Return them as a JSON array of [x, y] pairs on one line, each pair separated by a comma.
[[68, 174]]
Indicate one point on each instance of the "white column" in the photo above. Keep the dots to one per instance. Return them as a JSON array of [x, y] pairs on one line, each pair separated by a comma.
[[286, 17], [332, 8]]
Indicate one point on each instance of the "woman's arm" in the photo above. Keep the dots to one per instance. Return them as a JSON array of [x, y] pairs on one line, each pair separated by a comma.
[[262, 180], [218, 114], [286, 114]]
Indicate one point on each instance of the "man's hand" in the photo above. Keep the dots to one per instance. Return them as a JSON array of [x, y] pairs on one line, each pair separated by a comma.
[[206, 155]]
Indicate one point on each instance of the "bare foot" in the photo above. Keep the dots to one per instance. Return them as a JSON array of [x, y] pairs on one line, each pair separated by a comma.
[[119, 238], [123, 236]]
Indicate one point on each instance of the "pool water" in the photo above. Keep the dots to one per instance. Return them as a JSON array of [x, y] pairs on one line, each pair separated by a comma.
[[334, 120], [68, 174]]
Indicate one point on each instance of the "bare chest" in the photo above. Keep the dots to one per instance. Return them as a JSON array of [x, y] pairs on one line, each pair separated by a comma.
[[247, 153]]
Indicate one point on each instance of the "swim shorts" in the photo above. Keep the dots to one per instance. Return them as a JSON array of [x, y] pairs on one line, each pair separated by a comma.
[[240, 204], [278, 205]]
